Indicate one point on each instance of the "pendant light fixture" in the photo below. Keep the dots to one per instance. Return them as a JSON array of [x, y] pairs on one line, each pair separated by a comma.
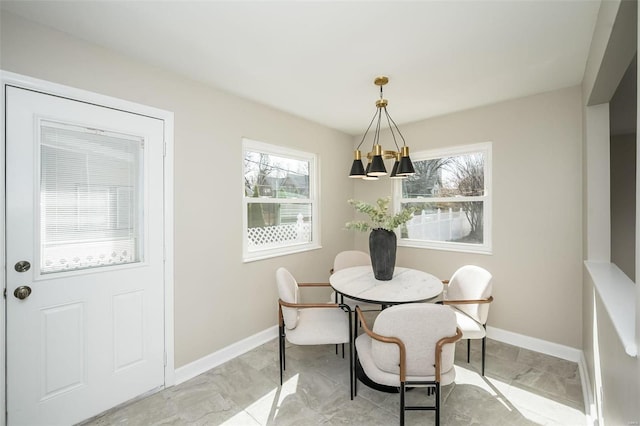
[[402, 166]]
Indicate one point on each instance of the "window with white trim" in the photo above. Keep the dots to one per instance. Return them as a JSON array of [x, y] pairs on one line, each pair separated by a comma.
[[279, 201], [451, 195]]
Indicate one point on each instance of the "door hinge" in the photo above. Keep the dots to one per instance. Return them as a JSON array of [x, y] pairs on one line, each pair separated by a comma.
[[5, 293]]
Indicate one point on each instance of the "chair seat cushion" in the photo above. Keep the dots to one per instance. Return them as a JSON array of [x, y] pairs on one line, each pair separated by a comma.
[[319, 326], [469, 327], [365, 355]]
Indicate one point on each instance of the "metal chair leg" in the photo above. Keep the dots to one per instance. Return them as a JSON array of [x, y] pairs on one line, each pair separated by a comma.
[[351, 360], [484, 345], [281, 351], [437, 403], [402, 389], [468, 350]]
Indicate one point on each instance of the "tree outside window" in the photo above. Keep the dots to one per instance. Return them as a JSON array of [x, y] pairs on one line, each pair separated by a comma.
[[450, 193], [279, 200]]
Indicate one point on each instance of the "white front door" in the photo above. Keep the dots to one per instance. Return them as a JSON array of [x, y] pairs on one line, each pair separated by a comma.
[[84, 236]]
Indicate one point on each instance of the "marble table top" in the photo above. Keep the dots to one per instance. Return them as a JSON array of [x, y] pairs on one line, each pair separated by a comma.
[[407, 285]]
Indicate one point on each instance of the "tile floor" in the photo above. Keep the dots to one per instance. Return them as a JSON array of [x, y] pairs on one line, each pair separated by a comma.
[[520, 387]]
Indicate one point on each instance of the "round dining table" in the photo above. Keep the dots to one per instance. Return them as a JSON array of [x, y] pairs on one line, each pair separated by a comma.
[[406, 286]]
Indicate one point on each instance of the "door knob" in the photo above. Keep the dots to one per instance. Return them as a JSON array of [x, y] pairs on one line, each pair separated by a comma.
[[22, 292]]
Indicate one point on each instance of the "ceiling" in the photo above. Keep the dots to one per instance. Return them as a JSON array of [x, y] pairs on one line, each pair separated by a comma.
[[318, 59]]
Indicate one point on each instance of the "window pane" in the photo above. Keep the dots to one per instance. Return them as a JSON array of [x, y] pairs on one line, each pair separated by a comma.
[[279, 201], [271, 176], [278, 225], [89, 198], [460, 222], [461, 175]]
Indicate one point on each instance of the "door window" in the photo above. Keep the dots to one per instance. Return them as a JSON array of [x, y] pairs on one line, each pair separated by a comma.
[[90, 198]]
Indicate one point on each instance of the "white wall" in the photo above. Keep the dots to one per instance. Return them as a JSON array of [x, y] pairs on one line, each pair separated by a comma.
[[537, 234], [218, 299], [613, 373]]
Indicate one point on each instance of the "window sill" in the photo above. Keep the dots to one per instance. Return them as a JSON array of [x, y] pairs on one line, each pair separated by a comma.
[[279, 252], [445, 246], [618, 294]]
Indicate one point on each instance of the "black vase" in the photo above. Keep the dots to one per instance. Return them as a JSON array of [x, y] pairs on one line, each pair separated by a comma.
[[382, 248]]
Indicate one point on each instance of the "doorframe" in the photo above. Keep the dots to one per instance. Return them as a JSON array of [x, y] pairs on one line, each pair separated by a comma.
[[25, 82]]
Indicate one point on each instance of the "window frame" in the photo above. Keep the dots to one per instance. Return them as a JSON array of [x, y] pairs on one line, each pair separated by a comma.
[[486, 246], [281, 151]]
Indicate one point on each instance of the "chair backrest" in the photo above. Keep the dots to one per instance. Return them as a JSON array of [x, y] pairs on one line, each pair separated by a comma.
[[471, 282], [349, 258], [419, 326], [288, 291]]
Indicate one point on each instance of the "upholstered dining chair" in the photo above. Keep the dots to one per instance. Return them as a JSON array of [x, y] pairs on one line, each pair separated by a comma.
[[468, 292], [311, 323], [410, 345], [347, 259]]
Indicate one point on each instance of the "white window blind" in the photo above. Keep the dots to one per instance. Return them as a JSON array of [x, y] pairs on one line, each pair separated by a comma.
[[90, 198]]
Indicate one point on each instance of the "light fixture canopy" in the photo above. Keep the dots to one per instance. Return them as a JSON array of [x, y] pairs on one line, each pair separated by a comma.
[[402, 166]]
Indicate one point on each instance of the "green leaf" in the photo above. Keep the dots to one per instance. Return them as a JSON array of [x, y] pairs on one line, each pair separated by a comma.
[[379, 216]]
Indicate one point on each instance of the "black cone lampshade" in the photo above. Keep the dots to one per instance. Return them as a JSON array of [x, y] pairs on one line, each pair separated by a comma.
[[406, 166], [357, 169], [377, 163]]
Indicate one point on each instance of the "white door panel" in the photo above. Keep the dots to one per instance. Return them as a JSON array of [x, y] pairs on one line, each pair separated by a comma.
[[91, 333]]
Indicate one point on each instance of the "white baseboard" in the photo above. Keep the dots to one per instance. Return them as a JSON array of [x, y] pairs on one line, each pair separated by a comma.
[[589, 402], [217, 358], [534, 344], [557, 350]]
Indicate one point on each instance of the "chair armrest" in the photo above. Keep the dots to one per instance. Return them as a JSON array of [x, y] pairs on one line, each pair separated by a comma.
[[374, 335], [440, 344], [342, 306], [386, 339], [311, 305], [467, 301], [314, 285], [282, 303]]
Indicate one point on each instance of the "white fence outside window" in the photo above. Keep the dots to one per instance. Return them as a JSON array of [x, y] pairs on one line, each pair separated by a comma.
[[279, 235], [439, 226]]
